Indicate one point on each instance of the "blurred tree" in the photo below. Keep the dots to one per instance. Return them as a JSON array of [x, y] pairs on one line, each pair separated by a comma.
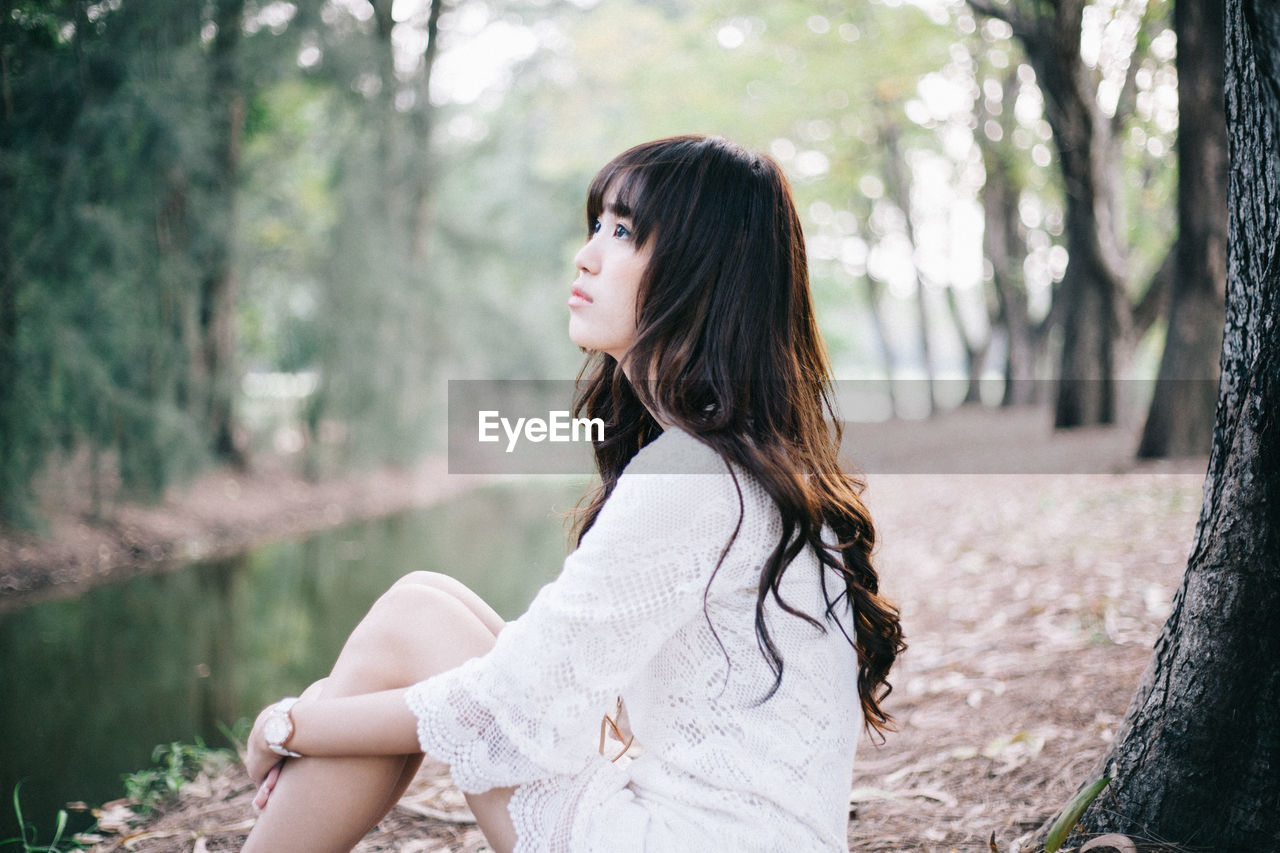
[[295, 186], [382, 337], [1195, 760], [1091, 304], [898, 193], [215, 368], [118, 293], [1180, 420], [1003, 239], [788, 78]]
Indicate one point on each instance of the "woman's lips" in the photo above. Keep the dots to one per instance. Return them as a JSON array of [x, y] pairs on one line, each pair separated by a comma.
[[578, 298]]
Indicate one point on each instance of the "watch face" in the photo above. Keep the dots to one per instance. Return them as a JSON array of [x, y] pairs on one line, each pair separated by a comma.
[[277, 729]]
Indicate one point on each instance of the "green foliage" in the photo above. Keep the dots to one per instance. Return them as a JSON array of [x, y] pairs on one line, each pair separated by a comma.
[[238, 733], [98, 304], [28, 840], [175, 765], [387, 227]]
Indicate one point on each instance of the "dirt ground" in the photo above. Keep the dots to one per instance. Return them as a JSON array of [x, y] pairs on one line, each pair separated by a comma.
[[1030, 601]]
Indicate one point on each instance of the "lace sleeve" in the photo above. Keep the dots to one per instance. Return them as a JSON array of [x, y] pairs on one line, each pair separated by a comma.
[[531, 707]]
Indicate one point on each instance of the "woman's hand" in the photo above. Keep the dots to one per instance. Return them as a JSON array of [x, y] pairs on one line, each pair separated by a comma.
[[258, 757], [268, 785], [263, 765], [362, 725]]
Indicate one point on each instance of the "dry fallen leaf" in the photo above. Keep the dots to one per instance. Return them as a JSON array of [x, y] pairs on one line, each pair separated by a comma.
[[1115, 841], [115, 816]]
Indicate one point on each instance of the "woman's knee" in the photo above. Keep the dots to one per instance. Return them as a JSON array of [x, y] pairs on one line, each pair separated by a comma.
[[406, 611], [456, 588], [435, 580], [438, 581], [412, 632]]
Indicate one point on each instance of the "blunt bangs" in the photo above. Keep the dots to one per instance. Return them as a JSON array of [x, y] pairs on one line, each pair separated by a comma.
[[625, 182], [654, 181]]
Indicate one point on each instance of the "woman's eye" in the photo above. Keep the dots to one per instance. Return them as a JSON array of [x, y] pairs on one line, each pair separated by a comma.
[[621, 231], [594, 227]]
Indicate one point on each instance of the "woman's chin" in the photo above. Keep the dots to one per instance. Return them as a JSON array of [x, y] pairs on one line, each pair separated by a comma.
[[577, 335], [583, 339]]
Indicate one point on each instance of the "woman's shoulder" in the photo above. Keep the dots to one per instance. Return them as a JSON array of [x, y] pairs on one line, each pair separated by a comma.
[[677, 452], [680, 496], [687, 475], [675, 476]]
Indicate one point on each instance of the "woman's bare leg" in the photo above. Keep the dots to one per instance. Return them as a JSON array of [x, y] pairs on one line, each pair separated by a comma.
[[422, 626], [460, 591]]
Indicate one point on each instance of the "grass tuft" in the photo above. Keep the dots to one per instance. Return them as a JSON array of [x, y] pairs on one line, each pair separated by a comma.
[[28, 841], [175, 764]]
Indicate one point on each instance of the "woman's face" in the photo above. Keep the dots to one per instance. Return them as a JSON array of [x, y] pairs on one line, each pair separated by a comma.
[[602, 304]]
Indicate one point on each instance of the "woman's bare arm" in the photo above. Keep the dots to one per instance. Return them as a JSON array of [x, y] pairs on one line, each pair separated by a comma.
[[369, 724]]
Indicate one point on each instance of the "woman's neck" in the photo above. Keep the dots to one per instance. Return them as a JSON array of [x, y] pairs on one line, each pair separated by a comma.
[[658, 416]]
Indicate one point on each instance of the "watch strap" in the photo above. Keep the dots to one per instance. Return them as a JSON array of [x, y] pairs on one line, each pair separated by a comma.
[[283, 708]]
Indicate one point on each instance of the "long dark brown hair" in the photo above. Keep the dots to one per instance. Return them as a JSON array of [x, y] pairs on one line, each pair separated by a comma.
[[729, 350]]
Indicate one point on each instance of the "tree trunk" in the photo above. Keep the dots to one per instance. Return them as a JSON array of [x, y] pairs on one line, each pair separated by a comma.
[[13, 475], [882, 339], [1180, 421], [1092, 288], [1094, 311], [1195, 762], [218, 282], [1086, 365], [1005, 248], [374, 366], [975, 355], [18, 450], [898, 189], [423, 175]]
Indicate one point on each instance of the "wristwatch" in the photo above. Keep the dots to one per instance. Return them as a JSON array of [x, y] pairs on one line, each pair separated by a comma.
[[278, 728]]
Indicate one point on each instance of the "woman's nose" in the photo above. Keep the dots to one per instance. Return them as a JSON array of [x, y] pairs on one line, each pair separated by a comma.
[[588, 257]]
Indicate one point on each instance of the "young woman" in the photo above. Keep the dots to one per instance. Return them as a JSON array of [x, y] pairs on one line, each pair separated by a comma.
[[722, 582]]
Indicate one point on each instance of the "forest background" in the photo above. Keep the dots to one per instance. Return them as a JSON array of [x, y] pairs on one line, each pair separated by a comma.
[[262, 238], [234, 230]]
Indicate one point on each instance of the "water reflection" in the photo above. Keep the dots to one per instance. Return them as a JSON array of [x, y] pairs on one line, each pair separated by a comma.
[[88, 687]]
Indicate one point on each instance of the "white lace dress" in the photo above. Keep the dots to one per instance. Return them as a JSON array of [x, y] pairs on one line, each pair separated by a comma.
[[628, 616]]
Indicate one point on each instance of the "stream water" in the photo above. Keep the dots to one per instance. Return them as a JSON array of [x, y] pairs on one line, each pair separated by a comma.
[[89, 686]]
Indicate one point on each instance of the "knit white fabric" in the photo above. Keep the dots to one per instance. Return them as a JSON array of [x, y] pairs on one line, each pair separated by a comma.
[[719, 770]]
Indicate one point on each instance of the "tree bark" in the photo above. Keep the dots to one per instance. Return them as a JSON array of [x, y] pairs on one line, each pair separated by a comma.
[[1180, 421], [13, 475], [218, 283], [1195, 762], [1092, 287], [1154, 302]]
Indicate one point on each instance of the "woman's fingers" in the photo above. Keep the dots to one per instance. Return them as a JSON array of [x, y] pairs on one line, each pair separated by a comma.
[[258, 759], [268, 785]]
